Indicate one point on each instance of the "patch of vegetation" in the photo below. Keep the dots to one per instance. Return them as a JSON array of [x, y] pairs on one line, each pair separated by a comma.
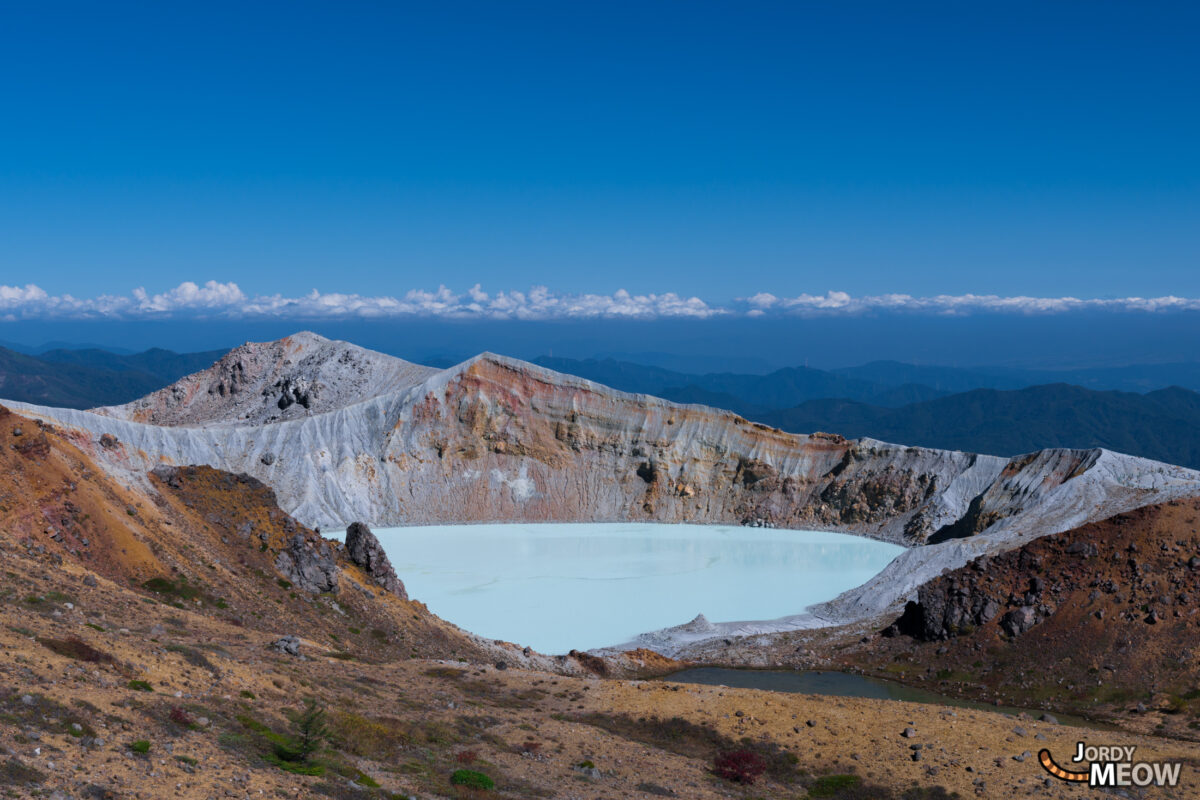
[[447, 673], [246, 693], [376, 738], [94, 626], [193, 657], [366, 780], [833, 785], [141, 746], [472, 779], [139, 686], [739, 766], [38, 712], [76, 648], [182, 718], [14, 773], [165, 586], [292, 752], [309, 730]]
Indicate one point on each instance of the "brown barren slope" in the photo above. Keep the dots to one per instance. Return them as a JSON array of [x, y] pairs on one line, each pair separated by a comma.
[[1101, 620]]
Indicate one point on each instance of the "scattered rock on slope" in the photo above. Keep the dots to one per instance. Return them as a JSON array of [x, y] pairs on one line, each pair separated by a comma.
[[365, 550], [288, 645]]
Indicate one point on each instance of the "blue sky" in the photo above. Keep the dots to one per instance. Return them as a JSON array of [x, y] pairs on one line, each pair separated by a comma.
[[716, 150]]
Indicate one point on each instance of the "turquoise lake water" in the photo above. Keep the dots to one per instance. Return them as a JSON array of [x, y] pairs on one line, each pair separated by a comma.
[[557, 587]]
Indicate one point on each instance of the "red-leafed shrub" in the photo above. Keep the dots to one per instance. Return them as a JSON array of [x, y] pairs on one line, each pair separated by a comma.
[[739, 766], [181, 717], [466, 756]]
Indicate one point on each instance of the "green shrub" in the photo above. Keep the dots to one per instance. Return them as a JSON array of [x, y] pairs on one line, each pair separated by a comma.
[[309, 729], [140, 746], [295, 767], [472, 779], [139, 686], [832, 785]]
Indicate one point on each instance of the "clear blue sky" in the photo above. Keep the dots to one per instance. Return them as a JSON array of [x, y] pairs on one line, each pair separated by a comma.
[[717, 149]]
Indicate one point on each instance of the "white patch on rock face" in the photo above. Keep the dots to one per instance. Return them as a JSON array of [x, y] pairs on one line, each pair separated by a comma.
[[522, 486], [471, 474]]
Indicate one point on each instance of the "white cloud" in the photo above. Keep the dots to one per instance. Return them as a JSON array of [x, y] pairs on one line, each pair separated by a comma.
[[843, 303], [227, 301]]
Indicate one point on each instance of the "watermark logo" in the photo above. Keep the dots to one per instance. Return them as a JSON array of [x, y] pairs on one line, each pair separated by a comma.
[[1112, 765]]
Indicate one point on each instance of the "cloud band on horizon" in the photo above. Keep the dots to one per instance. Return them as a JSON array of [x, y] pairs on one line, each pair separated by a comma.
[[228, 301]]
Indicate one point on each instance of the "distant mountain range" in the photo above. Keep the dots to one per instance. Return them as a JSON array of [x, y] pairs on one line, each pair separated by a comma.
[[745, 394], [992, 411], [1132, 378], [93, 377], [1163, 424]]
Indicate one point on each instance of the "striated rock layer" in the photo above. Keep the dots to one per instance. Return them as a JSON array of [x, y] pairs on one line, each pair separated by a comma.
[[496, 439]]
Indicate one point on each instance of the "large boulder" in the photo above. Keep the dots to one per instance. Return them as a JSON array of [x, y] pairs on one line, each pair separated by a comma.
[[945, 609], [310, 565], [365, 550]]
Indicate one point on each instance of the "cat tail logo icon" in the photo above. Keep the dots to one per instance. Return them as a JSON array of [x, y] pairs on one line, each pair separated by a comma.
[[1112, 765]]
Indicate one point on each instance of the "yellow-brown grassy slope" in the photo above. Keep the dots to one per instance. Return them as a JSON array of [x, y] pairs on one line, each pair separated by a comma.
[[135, 662]]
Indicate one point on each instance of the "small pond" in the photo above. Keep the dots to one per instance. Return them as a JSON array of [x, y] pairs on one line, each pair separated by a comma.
[[844, 684]]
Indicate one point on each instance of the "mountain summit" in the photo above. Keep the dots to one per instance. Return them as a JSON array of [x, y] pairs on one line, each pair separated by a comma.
[[263, 382]]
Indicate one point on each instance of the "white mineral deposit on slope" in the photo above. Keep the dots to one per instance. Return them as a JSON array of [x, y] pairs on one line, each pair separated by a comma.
[[497, 439]]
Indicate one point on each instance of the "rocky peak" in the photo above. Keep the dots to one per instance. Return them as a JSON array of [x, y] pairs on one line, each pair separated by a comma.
[[364, 549], [264, 382]]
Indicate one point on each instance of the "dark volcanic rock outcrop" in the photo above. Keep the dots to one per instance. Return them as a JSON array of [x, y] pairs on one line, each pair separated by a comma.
[[364, 549], [963, 601], [309, 564], [1096, 617]]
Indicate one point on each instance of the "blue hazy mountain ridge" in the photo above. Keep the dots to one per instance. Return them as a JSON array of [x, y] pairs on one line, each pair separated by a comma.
[[165, 365], [1160, 425], [93, 377], [742, 393], [1128, 378]]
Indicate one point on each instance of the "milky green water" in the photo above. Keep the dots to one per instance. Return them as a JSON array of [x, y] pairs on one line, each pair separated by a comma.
[[557, 587]]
